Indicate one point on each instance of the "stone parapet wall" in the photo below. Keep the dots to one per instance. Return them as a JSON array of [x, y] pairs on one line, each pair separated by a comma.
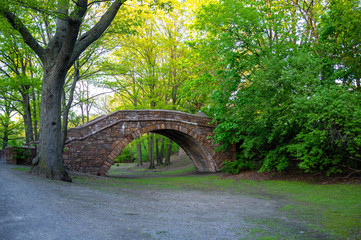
[[135, 116], [19, 155]]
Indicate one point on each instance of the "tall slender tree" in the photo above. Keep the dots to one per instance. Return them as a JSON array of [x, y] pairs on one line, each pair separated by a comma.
[[18, 70]]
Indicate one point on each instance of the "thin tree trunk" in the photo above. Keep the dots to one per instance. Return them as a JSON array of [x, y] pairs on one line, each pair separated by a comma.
[[82, 113], [161, 155], [5, 138], [169, 152], [27, 115], [87, 104], [151, 151], [6, 124], [35, 119], [67, 106], [34, 99], [157, 151], [140, 158]]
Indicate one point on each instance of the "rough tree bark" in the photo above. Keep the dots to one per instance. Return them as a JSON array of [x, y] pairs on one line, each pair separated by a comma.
[[57, 57]]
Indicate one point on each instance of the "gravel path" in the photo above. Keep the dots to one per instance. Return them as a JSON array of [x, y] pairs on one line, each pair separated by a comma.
[[35, 208]]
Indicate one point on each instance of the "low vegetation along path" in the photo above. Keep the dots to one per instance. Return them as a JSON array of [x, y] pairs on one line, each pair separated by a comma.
[[115, 208]]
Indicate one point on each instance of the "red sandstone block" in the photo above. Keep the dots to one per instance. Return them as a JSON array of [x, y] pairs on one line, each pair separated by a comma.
[[112, 156], [107, 163]]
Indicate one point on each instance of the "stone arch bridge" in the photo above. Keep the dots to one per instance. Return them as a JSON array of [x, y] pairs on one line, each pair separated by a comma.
[[93, 147]]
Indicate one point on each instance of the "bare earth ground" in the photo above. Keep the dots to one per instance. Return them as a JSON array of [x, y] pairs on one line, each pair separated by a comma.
[[36, 208]]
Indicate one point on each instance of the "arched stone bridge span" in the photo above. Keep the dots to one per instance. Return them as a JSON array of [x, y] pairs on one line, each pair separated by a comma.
[[93, 147]]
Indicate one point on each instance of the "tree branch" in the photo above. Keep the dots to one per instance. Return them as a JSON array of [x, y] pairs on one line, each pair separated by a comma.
[[27, 5], [95, 32], [18, 25], [4, 72], [92, 97], [98, 1]]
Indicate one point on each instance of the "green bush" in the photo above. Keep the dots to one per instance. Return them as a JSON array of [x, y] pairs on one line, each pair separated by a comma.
[[330, 136], [288, 114], [235, 167], [22, 154]]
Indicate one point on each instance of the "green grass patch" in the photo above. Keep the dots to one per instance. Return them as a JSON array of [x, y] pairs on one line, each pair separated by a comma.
[[260, 233], [23, 169], [335, 207], [189, 169], [124, 170], [125, 165]]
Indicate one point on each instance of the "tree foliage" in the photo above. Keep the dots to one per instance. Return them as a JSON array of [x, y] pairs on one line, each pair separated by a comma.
[[279, 94], [150, 62]]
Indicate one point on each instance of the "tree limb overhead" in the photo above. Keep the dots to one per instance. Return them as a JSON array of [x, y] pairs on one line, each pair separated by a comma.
[[17, 24], [95, 32]]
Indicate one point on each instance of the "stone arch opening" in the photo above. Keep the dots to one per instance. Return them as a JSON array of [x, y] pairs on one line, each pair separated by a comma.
[[198, 153], [201, 158]]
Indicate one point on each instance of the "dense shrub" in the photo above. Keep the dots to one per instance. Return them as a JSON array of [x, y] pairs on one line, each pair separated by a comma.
[[286, 90], [288, 114]]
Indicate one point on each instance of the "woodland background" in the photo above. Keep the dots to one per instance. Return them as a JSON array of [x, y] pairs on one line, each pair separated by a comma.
[[281, 78]]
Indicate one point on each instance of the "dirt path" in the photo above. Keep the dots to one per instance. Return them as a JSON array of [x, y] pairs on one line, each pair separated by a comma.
[[36, 208]]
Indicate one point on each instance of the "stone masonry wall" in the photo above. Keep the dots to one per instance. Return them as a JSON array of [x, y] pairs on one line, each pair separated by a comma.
[[19, 155], [93, 147]]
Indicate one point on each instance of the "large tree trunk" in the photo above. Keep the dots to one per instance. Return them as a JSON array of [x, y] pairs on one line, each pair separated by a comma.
[[49, 162]]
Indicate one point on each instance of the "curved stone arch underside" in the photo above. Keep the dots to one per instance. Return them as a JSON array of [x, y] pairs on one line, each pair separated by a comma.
[[187, 139], [93, 147]]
